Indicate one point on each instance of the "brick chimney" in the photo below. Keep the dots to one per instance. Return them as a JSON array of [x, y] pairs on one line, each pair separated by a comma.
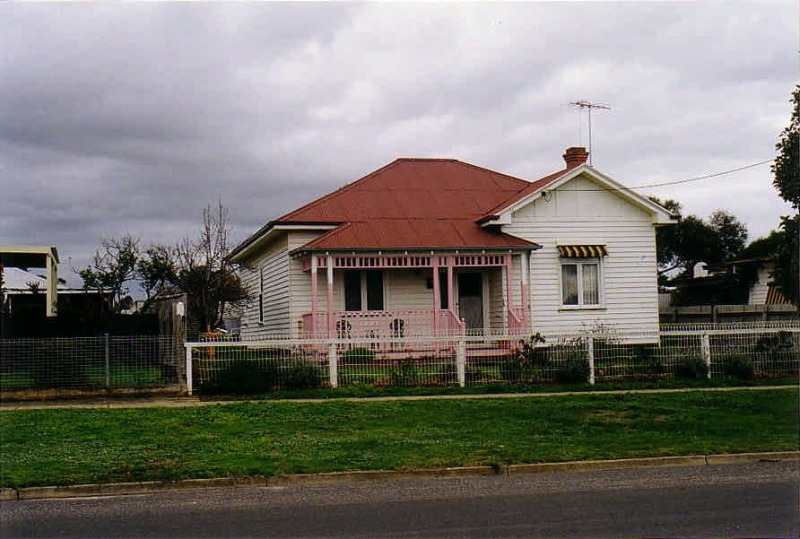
[[574, 156]]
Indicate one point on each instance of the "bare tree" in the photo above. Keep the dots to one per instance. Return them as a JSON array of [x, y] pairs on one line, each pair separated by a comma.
[[204, 272]]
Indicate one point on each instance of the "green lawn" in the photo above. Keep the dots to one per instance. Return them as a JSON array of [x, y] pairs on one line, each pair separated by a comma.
[[58, 447]]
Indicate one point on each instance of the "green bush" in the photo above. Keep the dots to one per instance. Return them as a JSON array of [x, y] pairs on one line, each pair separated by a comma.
[[300, 374], [242, 377], [739, 367], [406, 373], [530, 360], [573, 371], [691, 368], [358, 356], [448, 374]]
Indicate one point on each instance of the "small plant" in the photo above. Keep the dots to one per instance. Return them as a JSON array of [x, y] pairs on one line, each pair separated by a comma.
[[356, 356], [691, 368], [776, 355], [406, 373], [739, 367]]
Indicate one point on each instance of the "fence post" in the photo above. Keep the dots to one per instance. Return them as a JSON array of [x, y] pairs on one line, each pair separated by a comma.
[[333, 364], [461, 361], [189, 381], [590, 354], [705, 352], [108, 363]]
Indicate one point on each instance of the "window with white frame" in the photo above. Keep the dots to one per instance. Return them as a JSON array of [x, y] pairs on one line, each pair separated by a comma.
[[580, 283]]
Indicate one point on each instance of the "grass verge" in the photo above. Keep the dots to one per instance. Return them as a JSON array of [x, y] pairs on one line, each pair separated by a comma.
[[68, 446]]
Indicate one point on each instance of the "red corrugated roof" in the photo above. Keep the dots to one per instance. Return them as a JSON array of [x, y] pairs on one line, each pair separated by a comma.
[[532, 187], [414, 204], [415, 189]]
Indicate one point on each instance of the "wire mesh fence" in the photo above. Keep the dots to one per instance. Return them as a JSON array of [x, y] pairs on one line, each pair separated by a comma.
[[90, 363], [697, 351], [743, 351]]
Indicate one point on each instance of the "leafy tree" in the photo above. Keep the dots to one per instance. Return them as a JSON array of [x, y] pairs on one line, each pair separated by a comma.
[[786, 167], [113, 268], [156, 269], [692, 239], [731, 234], [765, 247], [786, 171], [198, 267]]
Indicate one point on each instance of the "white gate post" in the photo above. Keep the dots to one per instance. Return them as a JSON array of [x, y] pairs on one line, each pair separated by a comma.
[[461, 361], [333, 364], [590, 354], [705, 351], [189, 382]]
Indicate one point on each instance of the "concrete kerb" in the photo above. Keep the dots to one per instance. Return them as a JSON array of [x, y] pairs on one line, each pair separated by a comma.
[[148, 487]]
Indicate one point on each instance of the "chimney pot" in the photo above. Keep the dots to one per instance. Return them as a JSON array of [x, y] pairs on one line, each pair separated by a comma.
[[574, 156]]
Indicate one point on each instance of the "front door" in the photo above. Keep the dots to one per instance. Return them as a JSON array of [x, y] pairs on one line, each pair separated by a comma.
[[470, 299]]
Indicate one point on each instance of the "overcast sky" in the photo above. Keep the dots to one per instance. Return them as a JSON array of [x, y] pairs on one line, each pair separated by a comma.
[[131, 118]]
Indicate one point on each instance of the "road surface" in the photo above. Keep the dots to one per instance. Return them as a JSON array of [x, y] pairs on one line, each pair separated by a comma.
[[722, 501]]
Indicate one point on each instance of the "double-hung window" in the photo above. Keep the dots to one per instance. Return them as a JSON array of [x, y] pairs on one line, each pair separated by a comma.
[[363, 290], [581, 284]]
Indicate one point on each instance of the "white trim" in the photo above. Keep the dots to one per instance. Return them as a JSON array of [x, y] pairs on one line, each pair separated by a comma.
[[659, 215], [601, 299], [269, 233]]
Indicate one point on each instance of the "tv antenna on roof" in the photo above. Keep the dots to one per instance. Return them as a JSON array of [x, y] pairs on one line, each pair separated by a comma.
[[585, 104]]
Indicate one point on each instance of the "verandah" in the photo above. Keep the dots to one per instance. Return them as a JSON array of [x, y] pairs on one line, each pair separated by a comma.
[[443, 318]]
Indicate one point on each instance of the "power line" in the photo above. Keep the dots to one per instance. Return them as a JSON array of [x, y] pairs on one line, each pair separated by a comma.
[[714, 175], [674, 182]]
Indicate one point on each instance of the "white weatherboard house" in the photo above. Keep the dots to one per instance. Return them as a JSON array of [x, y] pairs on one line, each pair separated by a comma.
[[439, 246]]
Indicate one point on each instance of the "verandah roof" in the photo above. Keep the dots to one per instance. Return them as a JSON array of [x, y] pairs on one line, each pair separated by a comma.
[[415, 235]]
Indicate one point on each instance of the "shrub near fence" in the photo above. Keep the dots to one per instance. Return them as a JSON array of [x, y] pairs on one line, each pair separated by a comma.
[[741, 351], [89, 363]]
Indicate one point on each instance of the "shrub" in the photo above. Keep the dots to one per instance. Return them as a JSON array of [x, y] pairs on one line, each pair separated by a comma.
[[647, 355], [573, 371], [739, 367], [531, 359], [406, 373], [242, 377], [300, 374], [448, 374], [358, 355], [691, 368]]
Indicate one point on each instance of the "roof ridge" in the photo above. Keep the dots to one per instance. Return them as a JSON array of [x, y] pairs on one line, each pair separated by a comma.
[[531, 188], [359, 181], [339, 191]]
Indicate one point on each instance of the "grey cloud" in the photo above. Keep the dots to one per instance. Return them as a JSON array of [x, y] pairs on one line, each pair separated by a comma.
[[132, 117]]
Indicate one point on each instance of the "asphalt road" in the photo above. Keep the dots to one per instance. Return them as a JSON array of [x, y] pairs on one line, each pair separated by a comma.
[[743, 500]]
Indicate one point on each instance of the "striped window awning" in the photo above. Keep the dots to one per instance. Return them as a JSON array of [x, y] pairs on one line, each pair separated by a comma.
[[776, 297], [582, 251]]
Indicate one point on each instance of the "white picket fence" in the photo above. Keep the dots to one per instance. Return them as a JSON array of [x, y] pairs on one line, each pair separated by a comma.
[[597, 355]]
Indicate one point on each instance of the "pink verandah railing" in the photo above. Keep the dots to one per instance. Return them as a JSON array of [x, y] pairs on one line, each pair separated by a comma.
[[516, 321], [381, 324]]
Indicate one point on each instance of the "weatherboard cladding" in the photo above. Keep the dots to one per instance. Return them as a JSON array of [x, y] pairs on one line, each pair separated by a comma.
[[413, 204]]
